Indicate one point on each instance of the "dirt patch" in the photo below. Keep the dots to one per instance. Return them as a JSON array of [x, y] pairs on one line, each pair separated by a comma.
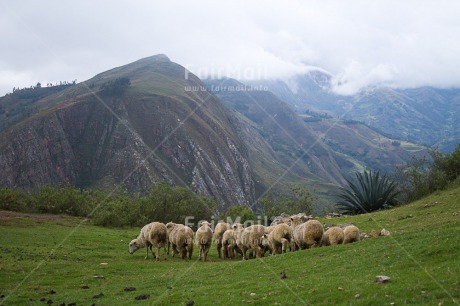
[[6, 215]]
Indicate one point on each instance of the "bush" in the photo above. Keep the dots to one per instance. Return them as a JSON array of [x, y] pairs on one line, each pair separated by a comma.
[[373, 191], [424, 175]]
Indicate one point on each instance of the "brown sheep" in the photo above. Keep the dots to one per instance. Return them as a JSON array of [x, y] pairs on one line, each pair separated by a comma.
[[279, 238], [219, 231], [157, 237], [308, 234], [180, 236], [351, 234], [332, 236], [204, 239]]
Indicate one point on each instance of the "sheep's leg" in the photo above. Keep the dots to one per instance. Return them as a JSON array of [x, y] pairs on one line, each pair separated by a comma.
[[183, 251], [169, 246], [284, 245], [146, 252], [219, 248], [165, 253], [190, 251], [158, 253], [206, 250], [175, 251]]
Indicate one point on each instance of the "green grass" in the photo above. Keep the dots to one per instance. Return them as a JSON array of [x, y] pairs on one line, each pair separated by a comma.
[[422, 257]]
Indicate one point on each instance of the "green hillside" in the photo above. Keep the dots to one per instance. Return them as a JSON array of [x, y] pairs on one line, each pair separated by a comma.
[[42, 254]]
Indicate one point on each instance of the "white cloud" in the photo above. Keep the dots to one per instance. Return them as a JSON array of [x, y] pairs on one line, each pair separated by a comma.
[[361, 43]]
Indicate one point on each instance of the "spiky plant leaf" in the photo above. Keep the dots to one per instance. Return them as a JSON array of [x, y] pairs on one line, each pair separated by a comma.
[[372, 191]]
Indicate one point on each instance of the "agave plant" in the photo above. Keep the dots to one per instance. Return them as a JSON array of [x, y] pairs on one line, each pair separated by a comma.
[[373, 191]]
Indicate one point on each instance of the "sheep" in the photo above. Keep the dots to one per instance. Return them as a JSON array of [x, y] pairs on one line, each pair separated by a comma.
[[279, 238], [334, 235], [219, 231], [237, 229], [204, 239], [306, 235], [157, 237], [229, 241], [351, 234], [143, 241], [180, 236], [252, 239]]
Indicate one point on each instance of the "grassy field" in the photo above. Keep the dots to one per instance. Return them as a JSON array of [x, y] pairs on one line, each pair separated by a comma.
[[39, 256]]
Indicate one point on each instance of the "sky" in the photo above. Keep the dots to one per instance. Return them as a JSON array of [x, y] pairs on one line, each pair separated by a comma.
[[360, 43]]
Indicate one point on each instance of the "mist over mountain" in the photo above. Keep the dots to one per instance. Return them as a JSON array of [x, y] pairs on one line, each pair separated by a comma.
[[425, 115]]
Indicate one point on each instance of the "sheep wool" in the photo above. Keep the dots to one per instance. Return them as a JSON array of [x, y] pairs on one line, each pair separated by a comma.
[[157, 236], [219, 231], [308, 234], [351, 234], [180, 237], [333, 236], [204, 239], [279, 238]]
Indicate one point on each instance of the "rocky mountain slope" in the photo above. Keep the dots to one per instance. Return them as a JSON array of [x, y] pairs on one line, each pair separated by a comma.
[[154, 130]]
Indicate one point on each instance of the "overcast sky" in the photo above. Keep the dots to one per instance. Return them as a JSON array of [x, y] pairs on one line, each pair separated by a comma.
[[360, 43]]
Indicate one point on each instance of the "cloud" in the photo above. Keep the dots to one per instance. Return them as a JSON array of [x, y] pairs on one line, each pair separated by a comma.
[[361, 43]]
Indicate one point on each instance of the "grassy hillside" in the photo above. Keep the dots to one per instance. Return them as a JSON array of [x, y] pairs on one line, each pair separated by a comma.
[[39, 254]]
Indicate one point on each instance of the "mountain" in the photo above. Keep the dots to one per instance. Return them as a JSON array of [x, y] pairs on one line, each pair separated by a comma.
[[425, 115], [324, 148], [152, 121], [91, 136]]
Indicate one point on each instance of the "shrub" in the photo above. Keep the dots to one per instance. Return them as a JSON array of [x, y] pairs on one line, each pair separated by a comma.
[[373, 191]]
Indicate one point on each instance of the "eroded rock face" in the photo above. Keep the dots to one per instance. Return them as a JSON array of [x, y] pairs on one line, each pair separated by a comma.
[[130, 140]]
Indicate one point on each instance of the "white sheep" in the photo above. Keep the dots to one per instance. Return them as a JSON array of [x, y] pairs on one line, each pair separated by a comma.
[[351, 234], [156, 237], [219, 231], [308, 234], [229, 241], [204, 239], [180, 236], [334, 235], [279, 238]]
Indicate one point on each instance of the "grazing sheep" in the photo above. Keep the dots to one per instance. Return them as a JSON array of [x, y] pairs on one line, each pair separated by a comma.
[[229, 245], [351, 234], [334, 235], [180, 236], [143, 241], [204, 239], [308, 234], [157, 237], [253, 238], [279, 238], [219, 231]]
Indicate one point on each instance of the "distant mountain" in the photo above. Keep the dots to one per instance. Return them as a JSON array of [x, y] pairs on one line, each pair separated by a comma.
[[91, 136], [152, 120], [425, 115]]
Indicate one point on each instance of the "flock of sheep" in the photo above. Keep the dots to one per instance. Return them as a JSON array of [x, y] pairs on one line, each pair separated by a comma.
[[232, 240]]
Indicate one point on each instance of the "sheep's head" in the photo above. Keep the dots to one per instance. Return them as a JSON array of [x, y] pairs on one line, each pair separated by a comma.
[[237, 226], [295, 220], [133, 246]]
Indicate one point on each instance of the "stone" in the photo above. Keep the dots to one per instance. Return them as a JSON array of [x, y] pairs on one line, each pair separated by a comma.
[[381, 279], [375, 233], [385, 232]]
